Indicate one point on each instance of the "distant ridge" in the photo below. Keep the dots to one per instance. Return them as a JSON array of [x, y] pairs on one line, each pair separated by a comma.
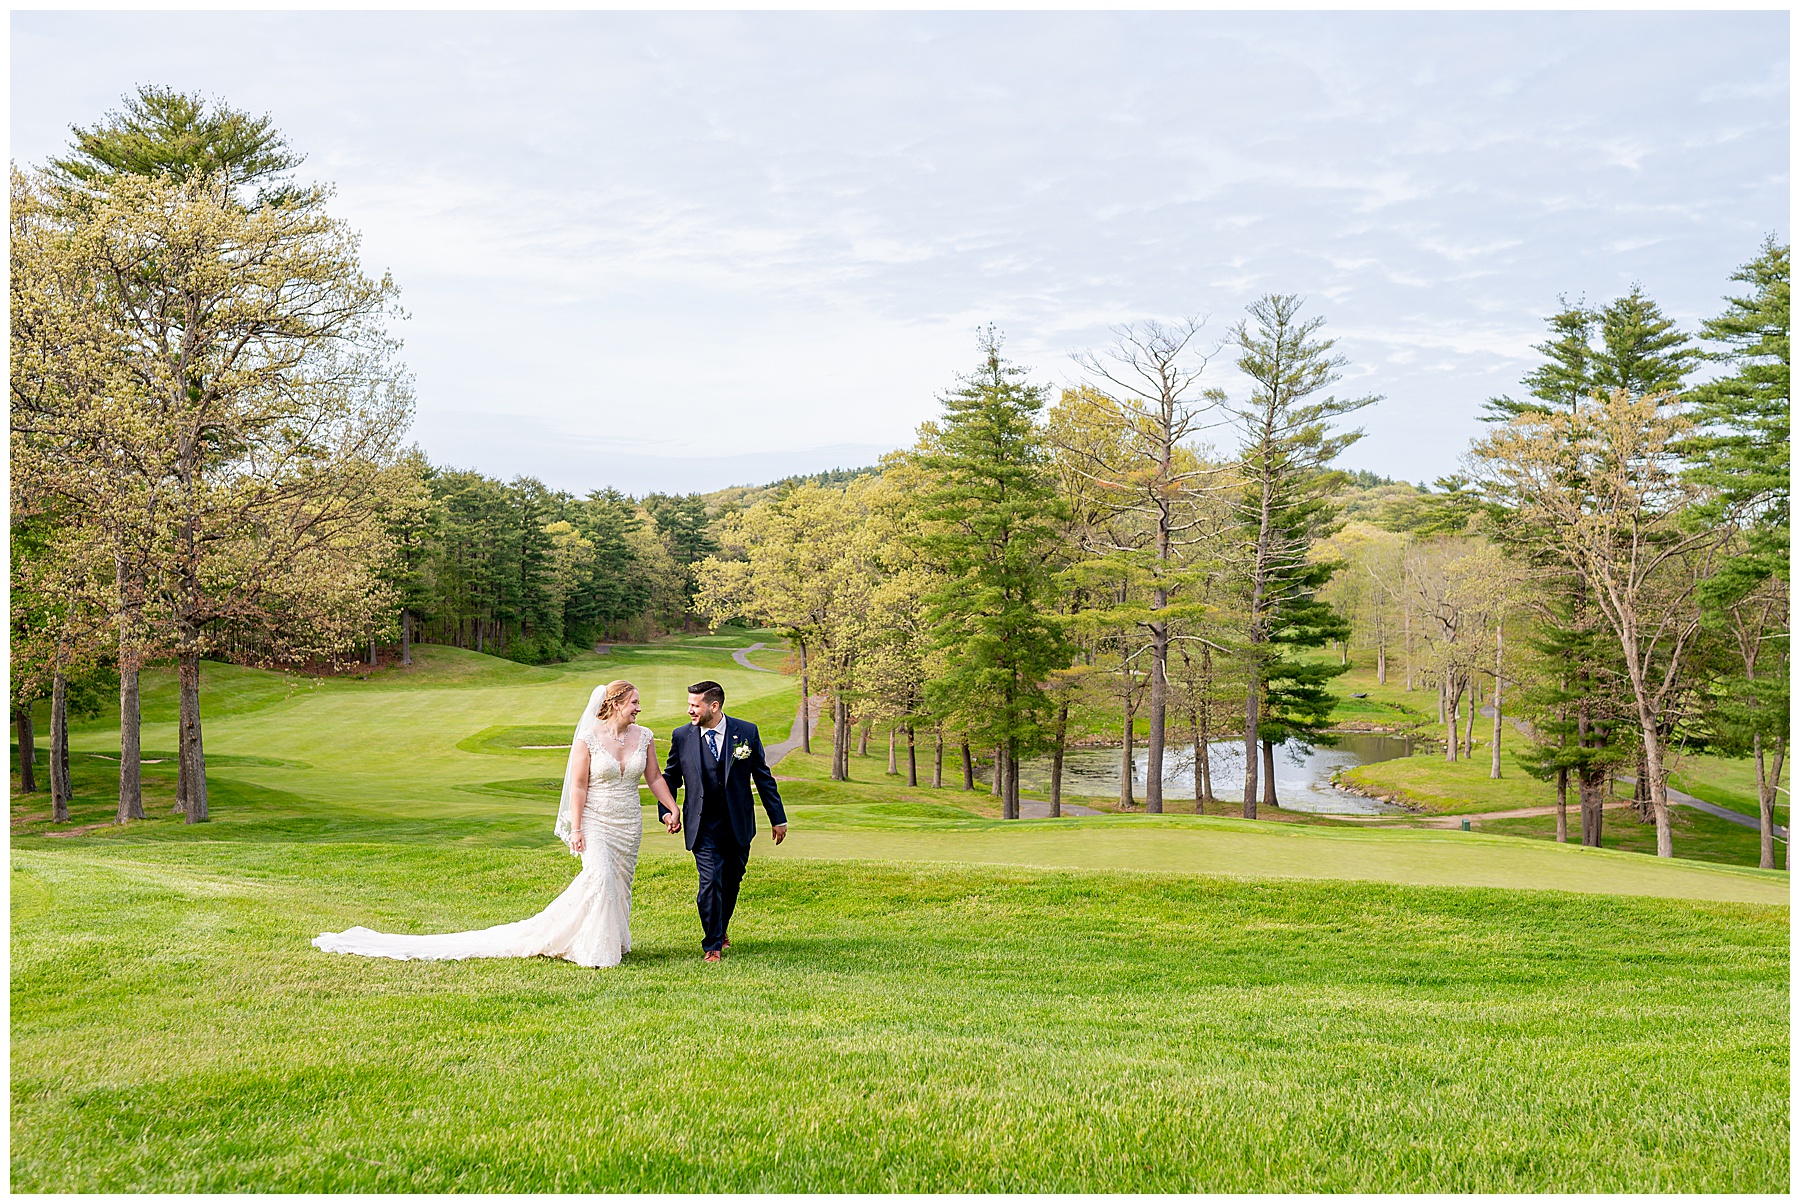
[[743, 497]]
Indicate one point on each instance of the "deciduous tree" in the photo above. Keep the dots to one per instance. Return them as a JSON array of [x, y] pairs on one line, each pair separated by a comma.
[[266, 396], [1599, 488], [1148, 378]]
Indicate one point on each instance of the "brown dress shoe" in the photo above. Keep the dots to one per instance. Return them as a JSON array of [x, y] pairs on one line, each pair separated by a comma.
[[712, 955], [727, 945]]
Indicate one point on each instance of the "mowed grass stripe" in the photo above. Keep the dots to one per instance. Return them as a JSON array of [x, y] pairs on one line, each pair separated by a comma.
[[883, 1027], [387, 746]]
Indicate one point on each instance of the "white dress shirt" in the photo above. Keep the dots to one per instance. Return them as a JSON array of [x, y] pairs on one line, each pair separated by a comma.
[[719, 727]]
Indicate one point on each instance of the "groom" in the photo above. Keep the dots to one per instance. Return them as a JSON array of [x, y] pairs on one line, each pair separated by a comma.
[[716, 757]]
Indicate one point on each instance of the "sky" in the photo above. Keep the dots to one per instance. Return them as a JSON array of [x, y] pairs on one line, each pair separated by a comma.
[[679, 251]]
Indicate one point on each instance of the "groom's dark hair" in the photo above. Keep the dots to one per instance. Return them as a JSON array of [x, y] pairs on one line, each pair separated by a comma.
[[709, 691]]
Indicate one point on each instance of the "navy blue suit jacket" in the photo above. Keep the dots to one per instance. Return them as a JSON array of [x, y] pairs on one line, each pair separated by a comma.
[[687, 767]]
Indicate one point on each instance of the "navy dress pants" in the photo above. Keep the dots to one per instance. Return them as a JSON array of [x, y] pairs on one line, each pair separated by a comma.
[[721, 861]]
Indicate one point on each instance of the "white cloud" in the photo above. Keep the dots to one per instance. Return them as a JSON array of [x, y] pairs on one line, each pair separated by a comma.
[[789, 225]]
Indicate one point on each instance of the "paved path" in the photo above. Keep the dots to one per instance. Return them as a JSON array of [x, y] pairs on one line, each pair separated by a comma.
[[1679, 798], [740, 655], [1725, 813], [1478, 817], [775, 752], [1519, 725]]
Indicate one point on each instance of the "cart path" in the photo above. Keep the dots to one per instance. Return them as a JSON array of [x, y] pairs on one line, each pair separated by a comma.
[[1476, 817], [775, 752], [1736, 817], [1455, 821], [741, 656], [1679, 798]]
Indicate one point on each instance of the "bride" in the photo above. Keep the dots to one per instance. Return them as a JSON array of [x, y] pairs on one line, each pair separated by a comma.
[[602, 822]]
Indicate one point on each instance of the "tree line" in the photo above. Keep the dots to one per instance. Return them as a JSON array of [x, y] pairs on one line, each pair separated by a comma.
[[207, 419], [1032, 570], [532, 574], [207, 414], [1610, 572], [1613, 567]]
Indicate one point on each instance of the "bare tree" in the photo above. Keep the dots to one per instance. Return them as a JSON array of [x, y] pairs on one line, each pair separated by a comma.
[[1147, 377]]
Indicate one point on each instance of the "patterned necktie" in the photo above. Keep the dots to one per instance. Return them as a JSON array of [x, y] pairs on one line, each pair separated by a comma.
[[712, 743]]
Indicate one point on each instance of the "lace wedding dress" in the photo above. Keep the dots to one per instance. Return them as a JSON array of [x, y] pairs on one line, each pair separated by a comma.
[[589, 923]]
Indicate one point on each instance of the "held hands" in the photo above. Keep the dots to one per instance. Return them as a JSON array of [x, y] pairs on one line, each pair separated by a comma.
[[672, 821]]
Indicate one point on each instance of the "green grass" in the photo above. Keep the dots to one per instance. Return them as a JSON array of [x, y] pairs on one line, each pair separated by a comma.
[[395, 742], [1434, 786], [1696, 834], [881, 1027], [1728, 782], [921, 996], [1438, 787], [727, 637], [1390, 705]]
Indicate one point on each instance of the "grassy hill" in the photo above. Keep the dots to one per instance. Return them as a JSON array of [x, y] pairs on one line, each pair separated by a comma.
[[921, 996]]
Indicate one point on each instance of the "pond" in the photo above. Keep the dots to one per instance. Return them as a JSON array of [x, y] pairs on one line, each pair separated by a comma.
[[1302, 772]]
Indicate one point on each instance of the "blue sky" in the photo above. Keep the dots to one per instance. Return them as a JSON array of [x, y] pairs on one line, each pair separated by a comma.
[[682, 251]]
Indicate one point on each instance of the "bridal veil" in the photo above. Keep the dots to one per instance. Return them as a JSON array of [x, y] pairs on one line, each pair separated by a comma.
[[565, 812]]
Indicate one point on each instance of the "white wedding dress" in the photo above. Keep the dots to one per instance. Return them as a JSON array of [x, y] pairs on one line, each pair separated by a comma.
[[589, 923]]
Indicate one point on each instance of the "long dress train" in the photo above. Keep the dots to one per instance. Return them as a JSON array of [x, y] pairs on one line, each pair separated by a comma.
[[589, 923]]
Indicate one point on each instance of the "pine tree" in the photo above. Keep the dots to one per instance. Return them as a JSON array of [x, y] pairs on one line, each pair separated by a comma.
[[1741, 450], [1741, 456], [165, 134], [1296, 705], [617, 588], [1629, 344], [1641, 351], [1580, 728], [1579, 733], [1567, 374], [989, 525], [1282, 506], [682, 523]]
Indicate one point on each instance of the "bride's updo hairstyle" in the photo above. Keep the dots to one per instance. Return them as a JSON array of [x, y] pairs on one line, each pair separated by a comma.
[[616, 694]]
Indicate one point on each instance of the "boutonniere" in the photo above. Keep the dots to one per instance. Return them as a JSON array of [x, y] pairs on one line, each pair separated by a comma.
[[740, 751]]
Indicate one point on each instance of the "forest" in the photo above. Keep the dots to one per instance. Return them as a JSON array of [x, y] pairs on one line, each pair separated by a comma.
[[208, 454]]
